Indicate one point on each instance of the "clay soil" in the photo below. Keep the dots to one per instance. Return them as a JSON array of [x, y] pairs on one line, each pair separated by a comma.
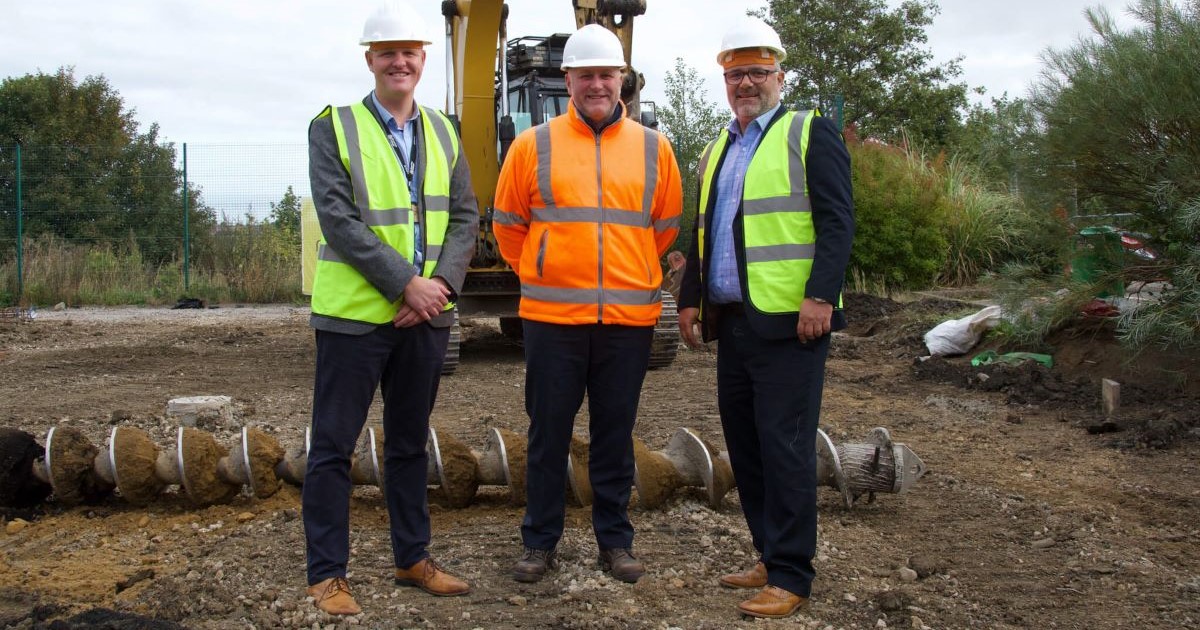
[[1036, 511]]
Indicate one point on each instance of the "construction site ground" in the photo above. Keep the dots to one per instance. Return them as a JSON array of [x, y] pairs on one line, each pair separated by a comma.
[[1037, 511]]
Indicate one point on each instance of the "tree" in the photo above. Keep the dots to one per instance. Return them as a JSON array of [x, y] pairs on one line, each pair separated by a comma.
[[690, 121], [286, 213], [1003, 141], [875, 59], [1122, 137], [88, 175]]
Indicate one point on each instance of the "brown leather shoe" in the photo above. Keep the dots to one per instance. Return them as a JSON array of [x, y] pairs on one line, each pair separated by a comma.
[[773, 603], [429, 577], [750, 578], [621, 564], [332, 595]]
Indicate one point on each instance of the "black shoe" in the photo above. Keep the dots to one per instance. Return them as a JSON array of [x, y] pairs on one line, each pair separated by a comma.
[[534, 564], [621, 564]]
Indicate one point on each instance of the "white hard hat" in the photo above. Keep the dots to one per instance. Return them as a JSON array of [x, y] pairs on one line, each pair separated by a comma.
[[395, 21], [593, 46], [750, 32]]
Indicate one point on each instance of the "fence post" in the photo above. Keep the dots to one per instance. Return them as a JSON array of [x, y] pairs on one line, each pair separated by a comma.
[[187, 235], [20, 233]]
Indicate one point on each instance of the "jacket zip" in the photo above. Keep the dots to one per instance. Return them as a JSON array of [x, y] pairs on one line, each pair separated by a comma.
[[599, 235]]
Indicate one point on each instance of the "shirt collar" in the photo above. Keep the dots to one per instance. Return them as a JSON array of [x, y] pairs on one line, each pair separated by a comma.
[[735, 130], [388, 119]]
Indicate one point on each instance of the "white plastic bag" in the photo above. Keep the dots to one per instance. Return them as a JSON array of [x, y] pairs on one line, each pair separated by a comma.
[[958, 336]]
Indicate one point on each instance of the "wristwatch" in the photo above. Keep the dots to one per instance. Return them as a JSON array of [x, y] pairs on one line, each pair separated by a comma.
[[818, 300]]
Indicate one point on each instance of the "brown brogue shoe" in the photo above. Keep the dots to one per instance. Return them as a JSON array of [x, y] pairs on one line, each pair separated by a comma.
[[750, 578], [773, 603], [429, 577], [534, 563], [332, 595], [621, 564]]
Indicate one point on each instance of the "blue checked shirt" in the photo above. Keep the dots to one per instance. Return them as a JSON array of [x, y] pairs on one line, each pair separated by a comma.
[[404, 143], [725, 285]]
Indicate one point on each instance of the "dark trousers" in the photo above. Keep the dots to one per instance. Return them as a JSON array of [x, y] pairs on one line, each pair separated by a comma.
[[769, 396], [406, 365], [561, 364]]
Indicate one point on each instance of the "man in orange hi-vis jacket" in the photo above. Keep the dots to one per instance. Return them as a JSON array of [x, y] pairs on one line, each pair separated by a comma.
[[586, 205]]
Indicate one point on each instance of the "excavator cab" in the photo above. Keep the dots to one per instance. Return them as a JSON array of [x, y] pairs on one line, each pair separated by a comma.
[[536, 89]]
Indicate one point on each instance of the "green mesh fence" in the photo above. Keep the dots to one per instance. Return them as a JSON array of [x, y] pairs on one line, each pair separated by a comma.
[[167, 203]]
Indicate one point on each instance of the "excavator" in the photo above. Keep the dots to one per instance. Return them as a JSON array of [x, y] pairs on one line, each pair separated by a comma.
[[497, 87]]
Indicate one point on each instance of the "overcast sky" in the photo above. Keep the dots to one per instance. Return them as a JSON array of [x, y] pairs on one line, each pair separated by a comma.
[[256, 71], [239, 80]]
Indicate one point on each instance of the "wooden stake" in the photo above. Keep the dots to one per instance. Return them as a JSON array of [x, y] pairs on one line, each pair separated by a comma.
[[1111, 393]]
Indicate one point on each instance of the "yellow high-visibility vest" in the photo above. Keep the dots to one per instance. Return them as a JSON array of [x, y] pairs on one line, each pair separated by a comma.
[[383, 201]]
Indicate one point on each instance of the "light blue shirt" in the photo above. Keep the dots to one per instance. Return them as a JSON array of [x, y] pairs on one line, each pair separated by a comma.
[[725, 286], [403, 137]]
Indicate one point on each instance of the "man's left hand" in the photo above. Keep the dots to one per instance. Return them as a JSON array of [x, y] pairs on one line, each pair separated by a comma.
[[815, 320]]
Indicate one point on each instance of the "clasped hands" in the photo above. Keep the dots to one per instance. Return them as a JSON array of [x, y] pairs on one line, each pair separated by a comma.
[[424, 299]]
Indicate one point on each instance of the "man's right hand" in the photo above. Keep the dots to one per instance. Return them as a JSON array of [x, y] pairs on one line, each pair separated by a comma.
[[689, 327], [426, 298]]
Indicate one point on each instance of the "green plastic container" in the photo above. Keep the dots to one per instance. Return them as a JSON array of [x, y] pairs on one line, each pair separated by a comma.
[[1097, 258]]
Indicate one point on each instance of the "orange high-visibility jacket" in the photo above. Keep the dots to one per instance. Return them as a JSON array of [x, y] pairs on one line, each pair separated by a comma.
[[583, 219]]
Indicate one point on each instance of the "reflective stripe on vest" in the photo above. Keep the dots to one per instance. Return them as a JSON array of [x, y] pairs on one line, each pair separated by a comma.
[[384, 205], [780, 238], [599, 215]]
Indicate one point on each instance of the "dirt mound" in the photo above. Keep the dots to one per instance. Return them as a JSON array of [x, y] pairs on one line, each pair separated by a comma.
[[1159, 390], [898, 327], [1024, 383]]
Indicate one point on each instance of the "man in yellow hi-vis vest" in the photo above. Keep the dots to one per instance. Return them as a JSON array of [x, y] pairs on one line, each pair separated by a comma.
[[399, 221], [774, 229]]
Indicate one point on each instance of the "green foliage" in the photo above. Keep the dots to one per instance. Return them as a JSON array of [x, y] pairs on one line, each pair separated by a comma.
[[876, 59], [262, 265], [88, 175], [986, 228], [1121, 138], [1174, 322], [259, 261], [1002, 141], [690, 121], [1120, 116], [898, 243], [1029, 320], [286, 213]]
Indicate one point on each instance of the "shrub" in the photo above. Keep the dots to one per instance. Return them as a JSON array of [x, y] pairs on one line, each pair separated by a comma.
[[898, 241]]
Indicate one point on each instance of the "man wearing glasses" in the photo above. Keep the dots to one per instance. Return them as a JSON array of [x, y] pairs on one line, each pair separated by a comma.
[[764, 278]]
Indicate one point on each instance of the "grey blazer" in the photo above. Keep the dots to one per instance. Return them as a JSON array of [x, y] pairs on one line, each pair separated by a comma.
[[344, 230]]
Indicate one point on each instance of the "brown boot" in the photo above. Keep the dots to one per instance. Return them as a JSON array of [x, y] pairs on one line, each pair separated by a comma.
[[332, 595], [750, 578], [773, 603], [534, 563], [429, 577], [621, 564]]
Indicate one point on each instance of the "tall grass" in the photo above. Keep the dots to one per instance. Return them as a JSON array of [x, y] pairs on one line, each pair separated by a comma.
[[257, 263], [985, 228]]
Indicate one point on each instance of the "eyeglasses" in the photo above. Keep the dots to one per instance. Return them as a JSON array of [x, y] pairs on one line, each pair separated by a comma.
[[757, 75]]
